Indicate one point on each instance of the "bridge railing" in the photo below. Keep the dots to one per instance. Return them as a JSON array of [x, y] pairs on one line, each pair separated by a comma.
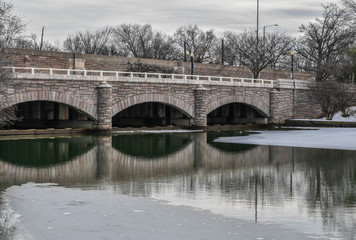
[[145, 75]]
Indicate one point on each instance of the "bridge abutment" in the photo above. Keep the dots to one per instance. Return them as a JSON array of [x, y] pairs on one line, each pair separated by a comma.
[[104, 107], [281, 105]]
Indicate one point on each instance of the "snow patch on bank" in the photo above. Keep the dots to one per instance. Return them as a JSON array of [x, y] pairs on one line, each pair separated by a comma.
[[11, 223], [338, 117]]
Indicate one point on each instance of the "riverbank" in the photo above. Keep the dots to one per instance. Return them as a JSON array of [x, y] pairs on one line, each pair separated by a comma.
[[34, 132], [215, 128], [52, 131], [318, 123]]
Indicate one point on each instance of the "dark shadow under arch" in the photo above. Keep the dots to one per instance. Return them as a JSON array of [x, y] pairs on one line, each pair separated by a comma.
[[185, 107], [52, 96], [259, 106]]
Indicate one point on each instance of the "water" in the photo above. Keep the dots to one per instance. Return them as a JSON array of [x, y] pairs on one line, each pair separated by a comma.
[[310, 190]]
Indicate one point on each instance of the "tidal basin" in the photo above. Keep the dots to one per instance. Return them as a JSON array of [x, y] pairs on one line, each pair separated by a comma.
[[181, 185]]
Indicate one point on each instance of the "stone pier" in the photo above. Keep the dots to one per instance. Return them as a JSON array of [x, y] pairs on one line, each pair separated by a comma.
[[104, 107]]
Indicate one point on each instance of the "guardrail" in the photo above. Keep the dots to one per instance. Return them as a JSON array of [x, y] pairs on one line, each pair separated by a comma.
[[117, 74]]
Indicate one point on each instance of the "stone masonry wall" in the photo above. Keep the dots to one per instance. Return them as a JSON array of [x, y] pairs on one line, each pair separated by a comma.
[[48, 59], [304, 107], [79, 94], [281, 105]]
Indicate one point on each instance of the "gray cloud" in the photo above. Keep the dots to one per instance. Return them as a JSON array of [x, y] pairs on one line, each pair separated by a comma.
[[65, 16]]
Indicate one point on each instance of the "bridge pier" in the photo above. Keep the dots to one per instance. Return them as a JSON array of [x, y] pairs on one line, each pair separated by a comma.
[[201, 100], [104, 107]]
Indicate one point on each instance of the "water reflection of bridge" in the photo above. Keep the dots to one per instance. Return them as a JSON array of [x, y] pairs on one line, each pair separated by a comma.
[[103, 161], [251, 175]]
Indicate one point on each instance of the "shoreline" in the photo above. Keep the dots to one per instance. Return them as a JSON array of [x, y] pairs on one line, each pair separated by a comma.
[[53, 131], [214, 128]]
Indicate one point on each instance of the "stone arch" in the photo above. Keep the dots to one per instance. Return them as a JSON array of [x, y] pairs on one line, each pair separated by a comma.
[[178, 103], [259, 106], [51, 96]]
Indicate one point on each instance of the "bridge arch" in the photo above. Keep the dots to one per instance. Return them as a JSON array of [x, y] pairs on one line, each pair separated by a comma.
[[178, 103], [52, 96], [258, 105]]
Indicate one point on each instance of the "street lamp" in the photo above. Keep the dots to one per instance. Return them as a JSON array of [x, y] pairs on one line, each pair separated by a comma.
[[258, 15], [192, 63], [264, 30], [292, 56], [257, 38]]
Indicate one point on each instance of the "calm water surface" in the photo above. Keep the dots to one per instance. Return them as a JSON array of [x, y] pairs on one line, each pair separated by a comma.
[[311, 190]]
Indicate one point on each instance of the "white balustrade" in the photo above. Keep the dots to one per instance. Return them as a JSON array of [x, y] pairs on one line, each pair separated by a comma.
[[158, 76]]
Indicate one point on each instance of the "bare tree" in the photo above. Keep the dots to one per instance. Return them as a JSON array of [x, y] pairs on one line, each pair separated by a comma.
[[350, 5], [332, 96], [197, 41], [231, 56], [91, 42], [163, 47], [141, 41], [322, 94], [258, 54], [31, 42], [325, 41], [344, 97], [7, 111], [139, 66], [11, 26], [352, 55]]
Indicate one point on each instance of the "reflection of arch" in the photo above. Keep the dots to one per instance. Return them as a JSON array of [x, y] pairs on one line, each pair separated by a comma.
[[175, 102], [80, 169], [43, 152], [124, 166], [228, 147], [258, 105], [52, 96], [197, 154], [159, 145]]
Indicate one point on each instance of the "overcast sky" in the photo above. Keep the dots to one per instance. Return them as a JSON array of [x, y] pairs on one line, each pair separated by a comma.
[[63, 17]]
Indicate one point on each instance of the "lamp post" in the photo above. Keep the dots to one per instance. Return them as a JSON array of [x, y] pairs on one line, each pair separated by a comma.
[[192, 63], [264, 30], [258, 15], [257, 39], [292, 64]]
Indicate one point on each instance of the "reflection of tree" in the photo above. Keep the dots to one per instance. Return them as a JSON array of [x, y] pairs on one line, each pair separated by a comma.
[[331, 187]]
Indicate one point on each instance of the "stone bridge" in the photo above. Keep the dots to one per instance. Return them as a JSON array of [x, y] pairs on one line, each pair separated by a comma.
[[100, 95]]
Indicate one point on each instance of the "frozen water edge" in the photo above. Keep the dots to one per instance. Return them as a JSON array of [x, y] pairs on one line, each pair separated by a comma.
[[159, 131], [326, 138], [52, 212]]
